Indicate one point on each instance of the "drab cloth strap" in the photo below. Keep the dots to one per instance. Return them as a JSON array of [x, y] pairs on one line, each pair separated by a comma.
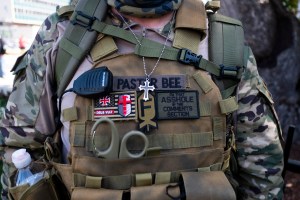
[[229, 105], [77, 40], [151, 48]]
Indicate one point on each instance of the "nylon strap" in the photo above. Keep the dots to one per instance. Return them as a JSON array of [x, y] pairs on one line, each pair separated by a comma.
[[228, 105], [203, 82], [77, 40], [152, 49], [143, 179]]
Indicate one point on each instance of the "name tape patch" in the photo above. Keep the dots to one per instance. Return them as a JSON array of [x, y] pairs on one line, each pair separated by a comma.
[[177, 104], [160, 82], [116, 105]]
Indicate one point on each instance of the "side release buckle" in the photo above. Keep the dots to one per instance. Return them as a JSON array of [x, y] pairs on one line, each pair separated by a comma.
[[186, 56], [83, 20], [229, 72]]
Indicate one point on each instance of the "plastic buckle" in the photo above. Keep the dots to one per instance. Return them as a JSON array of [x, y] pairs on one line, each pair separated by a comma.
[[186, 56], [83, 20], [229, 71]]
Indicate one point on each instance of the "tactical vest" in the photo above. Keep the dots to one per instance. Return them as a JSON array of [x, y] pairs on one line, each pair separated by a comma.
[[184, 121]]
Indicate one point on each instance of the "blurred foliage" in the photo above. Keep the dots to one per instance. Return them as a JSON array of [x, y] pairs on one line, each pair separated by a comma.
[[291, 5]]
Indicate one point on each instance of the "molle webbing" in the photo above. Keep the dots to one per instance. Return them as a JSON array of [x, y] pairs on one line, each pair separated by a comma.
[[123, 182], [164, 163], [77, 40], [164, 141]]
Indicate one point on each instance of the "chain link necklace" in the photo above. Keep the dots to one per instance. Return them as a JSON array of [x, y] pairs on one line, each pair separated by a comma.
[[147, 87]]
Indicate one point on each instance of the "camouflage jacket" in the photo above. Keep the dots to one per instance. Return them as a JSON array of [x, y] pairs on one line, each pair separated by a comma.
[[32, 106]]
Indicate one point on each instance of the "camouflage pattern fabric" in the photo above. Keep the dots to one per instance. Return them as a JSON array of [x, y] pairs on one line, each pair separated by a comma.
[[19, 126], [144, 8], [259, 150]]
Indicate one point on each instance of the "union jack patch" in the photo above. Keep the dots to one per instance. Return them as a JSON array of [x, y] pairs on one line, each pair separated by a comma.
[[116, 105]]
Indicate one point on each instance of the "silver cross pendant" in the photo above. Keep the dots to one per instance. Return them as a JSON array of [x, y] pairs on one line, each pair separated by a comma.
[[146, 87]]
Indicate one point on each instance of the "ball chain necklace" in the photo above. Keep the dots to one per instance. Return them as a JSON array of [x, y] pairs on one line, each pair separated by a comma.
[[147, 87]]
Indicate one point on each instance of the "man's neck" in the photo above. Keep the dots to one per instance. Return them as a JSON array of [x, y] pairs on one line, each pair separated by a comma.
[[154, 23]]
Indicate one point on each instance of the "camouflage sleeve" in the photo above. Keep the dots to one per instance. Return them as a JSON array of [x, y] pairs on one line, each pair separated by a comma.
[[18, 126], [259, 150]]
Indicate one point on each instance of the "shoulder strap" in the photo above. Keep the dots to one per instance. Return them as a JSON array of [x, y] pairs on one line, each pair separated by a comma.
[[226, 48], [77, 40]]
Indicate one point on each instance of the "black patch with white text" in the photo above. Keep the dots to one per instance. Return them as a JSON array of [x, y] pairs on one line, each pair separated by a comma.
[[177, 104], [160, 82]]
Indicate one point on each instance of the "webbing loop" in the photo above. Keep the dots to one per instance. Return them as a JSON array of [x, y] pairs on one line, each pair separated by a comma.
[[84, 20]]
